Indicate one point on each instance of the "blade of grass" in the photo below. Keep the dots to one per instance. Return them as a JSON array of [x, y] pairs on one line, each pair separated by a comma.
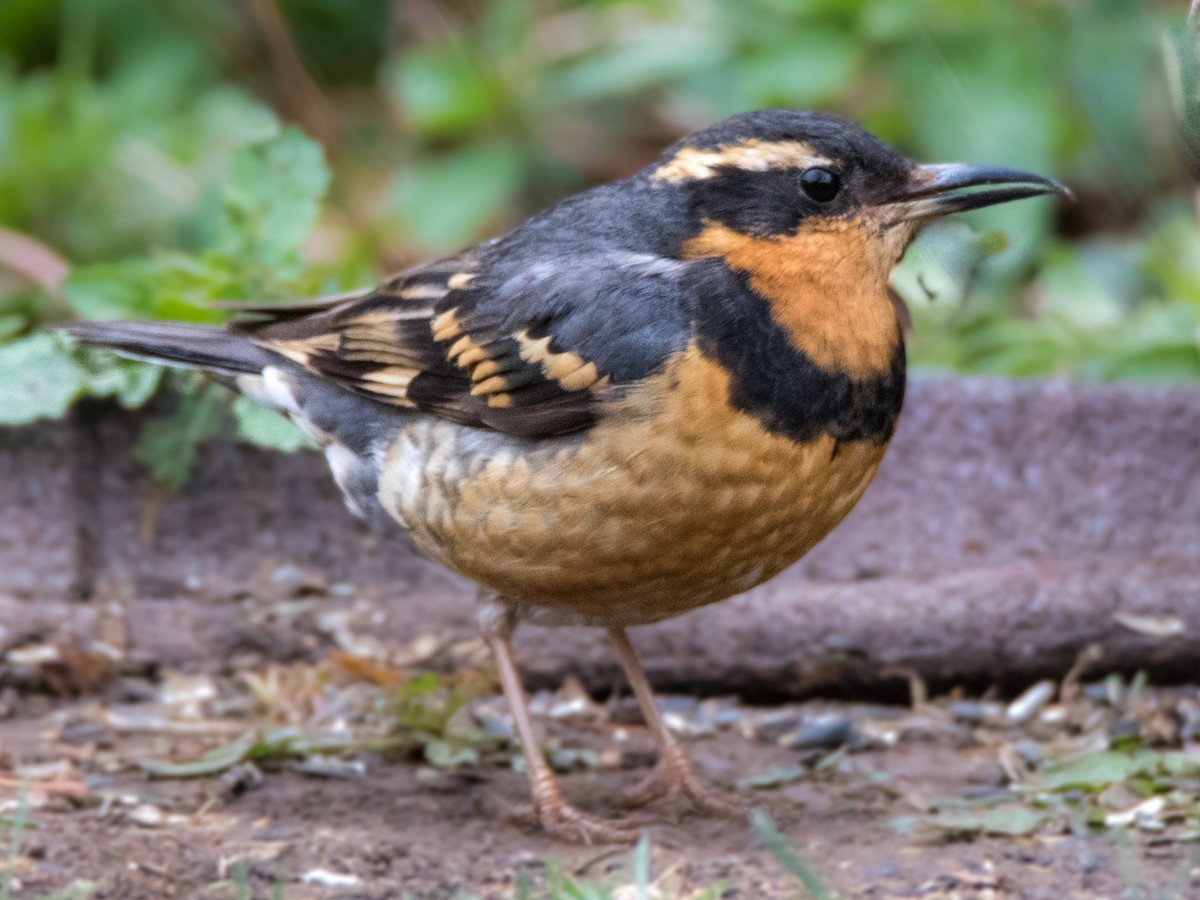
[[641, 867], [14, 845], [241, 879], [787, 857]]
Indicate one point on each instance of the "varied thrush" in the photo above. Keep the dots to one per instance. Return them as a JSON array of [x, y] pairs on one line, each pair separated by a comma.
[[653, 396]]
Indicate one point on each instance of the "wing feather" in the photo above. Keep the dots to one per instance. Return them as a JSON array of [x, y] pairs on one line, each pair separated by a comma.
[[529, 348]]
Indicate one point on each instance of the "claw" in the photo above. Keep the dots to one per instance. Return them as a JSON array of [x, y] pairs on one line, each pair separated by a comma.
[[673, 778], [566, 823], [674, 781]]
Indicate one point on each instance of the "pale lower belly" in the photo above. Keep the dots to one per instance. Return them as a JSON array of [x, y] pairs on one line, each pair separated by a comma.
[[631, 525]]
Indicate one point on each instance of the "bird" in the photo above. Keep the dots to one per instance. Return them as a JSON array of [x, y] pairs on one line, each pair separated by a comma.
[[650, 397]]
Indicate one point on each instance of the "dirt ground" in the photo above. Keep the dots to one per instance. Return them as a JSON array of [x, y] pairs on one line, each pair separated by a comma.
[[855, 789]]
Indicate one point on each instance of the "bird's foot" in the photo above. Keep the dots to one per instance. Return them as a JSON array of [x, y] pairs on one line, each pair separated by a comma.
[[564, 822], [674, 781]]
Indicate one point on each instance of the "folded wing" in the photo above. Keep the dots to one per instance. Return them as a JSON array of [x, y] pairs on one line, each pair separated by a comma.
[[528, 348]]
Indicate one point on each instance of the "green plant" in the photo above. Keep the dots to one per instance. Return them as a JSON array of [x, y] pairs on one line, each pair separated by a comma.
[[138, 142]]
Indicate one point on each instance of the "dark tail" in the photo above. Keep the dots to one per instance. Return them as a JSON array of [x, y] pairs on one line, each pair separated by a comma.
[[208, 347]]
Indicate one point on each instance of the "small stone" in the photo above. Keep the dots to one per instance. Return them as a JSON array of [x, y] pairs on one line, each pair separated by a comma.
[[981, 792], [1053, 715], [35, 655], [1029, 753], [147, 815], [1089, 861], [187, 691], [325, 878], [1029, 703], [495, 726], [825, 734], [1124, 726], [287, 575], [77, 734], [1144, 815], [322, 766], [774, 725], [882, 870], [241, 778], [278, 833], [625, 712], [722, 711], [676, 703], [967, 711], [1097, 691], [299, 582], [420, 649]]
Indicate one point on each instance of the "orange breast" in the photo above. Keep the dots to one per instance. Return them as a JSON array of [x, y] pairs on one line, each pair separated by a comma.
[[674, 501]]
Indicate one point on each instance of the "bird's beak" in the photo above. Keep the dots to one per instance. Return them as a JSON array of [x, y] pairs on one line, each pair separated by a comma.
[[939, 190]]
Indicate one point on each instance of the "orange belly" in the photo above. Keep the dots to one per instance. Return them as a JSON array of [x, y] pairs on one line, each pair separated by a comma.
[[673, 501]]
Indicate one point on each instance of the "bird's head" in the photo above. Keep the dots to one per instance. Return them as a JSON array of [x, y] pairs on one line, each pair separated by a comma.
[[782, 176]]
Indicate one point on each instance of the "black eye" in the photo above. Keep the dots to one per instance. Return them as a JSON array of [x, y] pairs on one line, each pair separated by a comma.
[[821, 184]]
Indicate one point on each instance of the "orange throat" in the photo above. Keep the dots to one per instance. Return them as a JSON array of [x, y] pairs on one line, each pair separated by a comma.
[[826, 286]]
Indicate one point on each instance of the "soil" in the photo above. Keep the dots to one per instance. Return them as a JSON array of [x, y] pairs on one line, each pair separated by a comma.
[[399, 828]]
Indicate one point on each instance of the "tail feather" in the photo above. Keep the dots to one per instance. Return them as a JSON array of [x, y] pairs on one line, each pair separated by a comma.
[[206, 347], [351, 428]]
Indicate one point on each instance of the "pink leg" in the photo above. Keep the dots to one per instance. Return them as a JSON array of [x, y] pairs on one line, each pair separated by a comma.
[[673, 778], [557, 817]]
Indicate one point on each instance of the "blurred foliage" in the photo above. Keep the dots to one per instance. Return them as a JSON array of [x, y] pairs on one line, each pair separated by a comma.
[[143, 141]]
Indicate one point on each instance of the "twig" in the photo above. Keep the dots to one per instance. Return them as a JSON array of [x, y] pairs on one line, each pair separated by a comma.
[[307, 102], [918, 692], [32, 260], [1088, 657]]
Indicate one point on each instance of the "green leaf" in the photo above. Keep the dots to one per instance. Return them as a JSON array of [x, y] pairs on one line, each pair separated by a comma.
[[1183, 58], [272, 198], [1010, 820], [774, 777], [39, 380], [651, 55], [905, 825], [213, 762], [447, 203], [976, 100], [785, 854], [110, 291], [127, 381], [448, 755], [442, 90], [11, 325], [941, 265], [166, 286], [168, 446], [1180, 764], [266, 428], [808, 68], [1097, 770]]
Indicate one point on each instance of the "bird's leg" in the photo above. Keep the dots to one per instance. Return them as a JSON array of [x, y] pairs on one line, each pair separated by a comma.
[[557, 817], [673, 777]]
